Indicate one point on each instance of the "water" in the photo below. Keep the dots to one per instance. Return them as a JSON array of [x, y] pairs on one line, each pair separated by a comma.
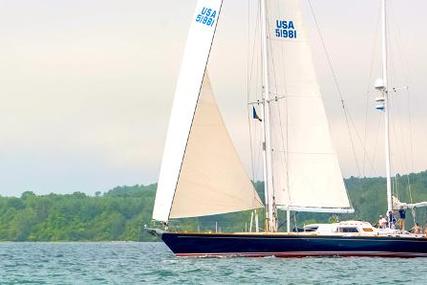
[[152, 263]]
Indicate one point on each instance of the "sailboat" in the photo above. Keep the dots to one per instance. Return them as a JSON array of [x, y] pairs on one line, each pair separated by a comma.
[[202, 175]]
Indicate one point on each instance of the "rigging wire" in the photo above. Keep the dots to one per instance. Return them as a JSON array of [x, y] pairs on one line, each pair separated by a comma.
[[397, 134], [250, 68], [377, 138], [347, 115], [405, 64], [380, 122], [349, 120], [369, 91], [248, 76], [394, 134]]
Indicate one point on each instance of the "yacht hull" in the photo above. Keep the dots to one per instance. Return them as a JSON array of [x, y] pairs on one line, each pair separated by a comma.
[[291, 245]]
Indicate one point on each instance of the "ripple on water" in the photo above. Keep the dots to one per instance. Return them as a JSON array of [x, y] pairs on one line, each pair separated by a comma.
[[136, 263]]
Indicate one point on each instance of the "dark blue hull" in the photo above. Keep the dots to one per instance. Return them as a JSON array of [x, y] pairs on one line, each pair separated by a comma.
[[291, 245]]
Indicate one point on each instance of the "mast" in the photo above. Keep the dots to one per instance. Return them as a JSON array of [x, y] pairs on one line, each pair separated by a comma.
[[271, 223], [386, 106], [383, 103]]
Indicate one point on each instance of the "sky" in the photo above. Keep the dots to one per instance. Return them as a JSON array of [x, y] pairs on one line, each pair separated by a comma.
[[86, 87]]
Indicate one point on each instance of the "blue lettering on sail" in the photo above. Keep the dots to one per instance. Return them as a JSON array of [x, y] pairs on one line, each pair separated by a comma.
[[207, 16], [285, 29]]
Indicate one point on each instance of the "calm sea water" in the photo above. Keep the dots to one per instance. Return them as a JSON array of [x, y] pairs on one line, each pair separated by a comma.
[[153, 263]]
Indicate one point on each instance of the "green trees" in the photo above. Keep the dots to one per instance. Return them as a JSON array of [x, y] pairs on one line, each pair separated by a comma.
[[116, 215], [121, 213]]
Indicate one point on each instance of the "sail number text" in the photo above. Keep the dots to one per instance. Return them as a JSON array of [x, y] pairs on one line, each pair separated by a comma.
[[206, 17], [285, 29]]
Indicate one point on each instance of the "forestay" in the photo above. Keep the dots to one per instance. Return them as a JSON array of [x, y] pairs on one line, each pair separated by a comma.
[[201, 173], [306, 172]]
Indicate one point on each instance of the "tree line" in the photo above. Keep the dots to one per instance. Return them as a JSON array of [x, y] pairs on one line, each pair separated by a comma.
[[121, 213]]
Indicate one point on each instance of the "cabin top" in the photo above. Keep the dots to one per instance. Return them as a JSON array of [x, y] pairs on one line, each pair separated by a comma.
[[341, 227]]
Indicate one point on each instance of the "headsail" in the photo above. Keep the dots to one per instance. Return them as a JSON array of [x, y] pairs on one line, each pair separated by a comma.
[[306, 172], [196, 54], [181, 181], [212, 178]]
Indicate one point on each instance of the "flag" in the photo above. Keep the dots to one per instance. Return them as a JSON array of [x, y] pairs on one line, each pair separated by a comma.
[[255, 115]]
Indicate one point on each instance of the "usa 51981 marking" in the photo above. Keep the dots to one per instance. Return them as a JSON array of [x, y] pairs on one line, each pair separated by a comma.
[[206, 17], [285, 29]]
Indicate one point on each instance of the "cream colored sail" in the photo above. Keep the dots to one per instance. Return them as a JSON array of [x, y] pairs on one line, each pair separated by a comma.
[[201, 173], [212, 178], [196, 54], [306, 172]]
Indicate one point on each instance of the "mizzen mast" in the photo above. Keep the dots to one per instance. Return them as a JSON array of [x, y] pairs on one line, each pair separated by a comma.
[[383, 103], [386, 111]]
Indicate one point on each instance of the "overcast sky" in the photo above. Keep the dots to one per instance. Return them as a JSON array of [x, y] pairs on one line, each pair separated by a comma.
[[86, 86]]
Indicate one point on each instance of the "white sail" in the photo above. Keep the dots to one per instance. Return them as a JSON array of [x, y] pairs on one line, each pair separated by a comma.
[[201, 173], [196, 54], [306, 172], [212, 178]]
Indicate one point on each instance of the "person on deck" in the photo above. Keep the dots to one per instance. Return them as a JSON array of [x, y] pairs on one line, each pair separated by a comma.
[[391, 220], [402, 216], [382, 222], [416, 229]]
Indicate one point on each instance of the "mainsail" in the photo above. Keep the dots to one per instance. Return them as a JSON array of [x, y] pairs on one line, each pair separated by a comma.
[[306, 172], [201, 173]]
